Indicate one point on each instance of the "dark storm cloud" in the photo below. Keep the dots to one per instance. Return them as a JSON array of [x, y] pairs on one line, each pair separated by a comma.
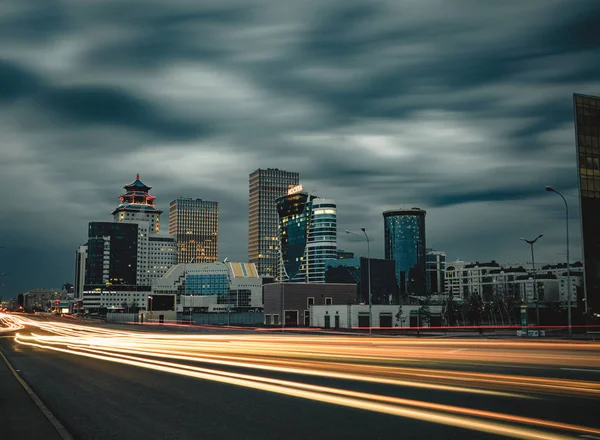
[[462, 108], [107, 106], [16, 82]]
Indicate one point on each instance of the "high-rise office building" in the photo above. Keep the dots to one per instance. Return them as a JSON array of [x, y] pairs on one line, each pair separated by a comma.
[[111, 253], [405, 244], [587, 135], [307, 236], [195, 224], [266, 186], [436, 268], [322, 238], [156, 253]]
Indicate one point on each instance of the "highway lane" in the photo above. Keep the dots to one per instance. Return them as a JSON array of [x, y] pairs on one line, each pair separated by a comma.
[[106, 383]]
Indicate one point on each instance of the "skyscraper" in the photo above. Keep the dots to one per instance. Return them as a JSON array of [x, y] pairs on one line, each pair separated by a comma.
[[308, 236], [587, 138], [322, 238], [112, 250], [195, 224], [156, 253], [265, 187], [405, 244]]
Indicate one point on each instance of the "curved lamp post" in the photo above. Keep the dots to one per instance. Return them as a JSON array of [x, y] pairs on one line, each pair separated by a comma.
[[368, 276], [550, 189], [535, 291]]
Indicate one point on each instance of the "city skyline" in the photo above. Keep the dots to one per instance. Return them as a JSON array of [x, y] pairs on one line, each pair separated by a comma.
[[378, 108]]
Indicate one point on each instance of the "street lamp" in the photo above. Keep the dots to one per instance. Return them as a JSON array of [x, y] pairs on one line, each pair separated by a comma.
[[535, 292], [150, 298], [550, 189], [368, 276]]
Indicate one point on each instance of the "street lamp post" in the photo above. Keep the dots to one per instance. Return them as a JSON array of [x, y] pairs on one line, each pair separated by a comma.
[[535, 291], [550, 189], [150, 298], [368, 277]]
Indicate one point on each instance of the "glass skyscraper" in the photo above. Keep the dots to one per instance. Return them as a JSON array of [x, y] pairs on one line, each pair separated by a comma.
[[307, 235], [265, 187], [195, 224], [112, 253], [587, 137], [322, 238], [405, 244]]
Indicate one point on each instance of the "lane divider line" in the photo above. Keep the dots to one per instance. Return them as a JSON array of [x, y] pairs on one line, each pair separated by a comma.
[[62, 431]]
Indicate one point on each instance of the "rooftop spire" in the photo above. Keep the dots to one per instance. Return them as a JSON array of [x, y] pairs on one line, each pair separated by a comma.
[[137, 176]]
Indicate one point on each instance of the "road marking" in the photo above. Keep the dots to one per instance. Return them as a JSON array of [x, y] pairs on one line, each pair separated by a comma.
[[458, 350], [589, 436], [62, 431], [582, 369]]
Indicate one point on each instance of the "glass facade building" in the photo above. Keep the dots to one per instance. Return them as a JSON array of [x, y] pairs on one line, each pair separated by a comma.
[[265, 187], [195, 225], [436, 269], [207, 284], [587, 137], [404, 232], [111, 253], [308, 237], [322, 238], [384, 286], [294, 213]]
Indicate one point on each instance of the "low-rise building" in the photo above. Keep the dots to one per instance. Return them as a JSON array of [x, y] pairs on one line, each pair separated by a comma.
[[376, 275], [201, 285], [98, 299], [357, 316], [43, 300], [295, 300]]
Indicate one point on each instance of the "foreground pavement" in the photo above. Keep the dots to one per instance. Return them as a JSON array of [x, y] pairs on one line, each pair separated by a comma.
[[119, 383]]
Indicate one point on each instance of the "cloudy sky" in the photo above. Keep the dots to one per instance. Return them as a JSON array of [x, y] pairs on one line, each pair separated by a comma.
[[462, 107]]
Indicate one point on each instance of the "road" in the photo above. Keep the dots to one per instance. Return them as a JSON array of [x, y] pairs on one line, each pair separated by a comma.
[[118, 382]]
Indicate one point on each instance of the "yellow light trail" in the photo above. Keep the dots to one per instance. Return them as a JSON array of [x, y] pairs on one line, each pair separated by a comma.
[[395, 363]]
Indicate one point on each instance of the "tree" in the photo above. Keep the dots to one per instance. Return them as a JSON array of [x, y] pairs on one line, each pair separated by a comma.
[[475, 309], [425, 311], [452, 311], [130, 307], [400, 315]]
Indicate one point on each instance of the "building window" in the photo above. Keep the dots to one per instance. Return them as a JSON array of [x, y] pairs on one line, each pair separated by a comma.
[[328, 301], [310, 301]]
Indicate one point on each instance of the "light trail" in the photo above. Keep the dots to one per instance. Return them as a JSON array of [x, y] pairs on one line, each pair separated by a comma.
[[391, 363]]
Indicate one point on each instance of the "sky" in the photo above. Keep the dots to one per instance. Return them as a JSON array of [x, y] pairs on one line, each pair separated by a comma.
[[462, 108]]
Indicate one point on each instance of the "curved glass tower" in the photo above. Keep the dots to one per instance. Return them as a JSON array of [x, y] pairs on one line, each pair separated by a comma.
[[322, 238], [405, 244], [307, 236]]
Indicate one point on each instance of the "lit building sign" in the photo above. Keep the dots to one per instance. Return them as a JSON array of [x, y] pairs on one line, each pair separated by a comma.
[[295, 190]]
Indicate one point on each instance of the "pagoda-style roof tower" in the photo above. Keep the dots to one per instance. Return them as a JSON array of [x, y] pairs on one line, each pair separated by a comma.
[[137, 199]]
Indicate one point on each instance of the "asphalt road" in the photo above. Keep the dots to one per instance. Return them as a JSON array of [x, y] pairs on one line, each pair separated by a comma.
[[101, 399]]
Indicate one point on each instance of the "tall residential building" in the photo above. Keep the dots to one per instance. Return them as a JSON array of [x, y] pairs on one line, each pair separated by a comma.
[[80, 265], [436, 268], [307, 236], [405, 244], [266, 186], [587, 138], [156, 253], [112, 251], [195, 224]]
